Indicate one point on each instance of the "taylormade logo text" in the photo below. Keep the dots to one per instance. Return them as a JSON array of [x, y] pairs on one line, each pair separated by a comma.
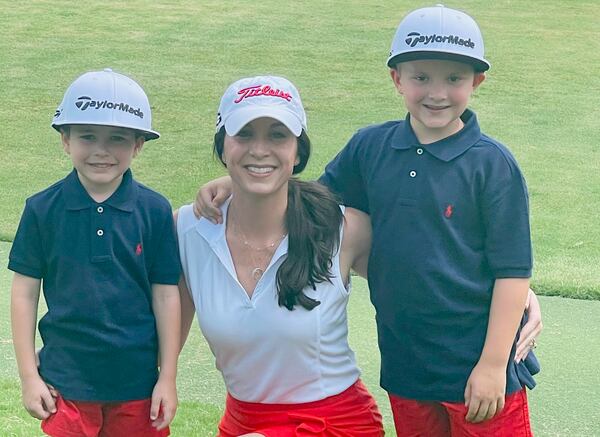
[[85, 102], [414, 38]]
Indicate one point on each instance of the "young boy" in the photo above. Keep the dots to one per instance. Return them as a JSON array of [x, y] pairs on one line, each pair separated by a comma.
[[104, 248], [451, 255]]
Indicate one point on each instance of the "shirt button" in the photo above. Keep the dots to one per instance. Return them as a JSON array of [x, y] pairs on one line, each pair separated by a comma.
[[419, 151], [99, 232], [412, 173], [100, 210]]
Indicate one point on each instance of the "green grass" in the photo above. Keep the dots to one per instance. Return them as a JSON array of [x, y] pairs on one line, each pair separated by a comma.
[[565, 403], [540, 97]]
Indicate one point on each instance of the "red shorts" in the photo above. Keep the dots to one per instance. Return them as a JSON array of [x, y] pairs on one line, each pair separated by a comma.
[[440, 419], [352, 413], [101, 419]]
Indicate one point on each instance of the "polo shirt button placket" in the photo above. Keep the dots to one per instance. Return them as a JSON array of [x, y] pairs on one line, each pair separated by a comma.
[[419, 151], [100, 210]]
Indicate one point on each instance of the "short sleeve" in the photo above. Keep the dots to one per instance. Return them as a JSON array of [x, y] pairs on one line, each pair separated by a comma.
[[166, 267], [27, 254], [344, 176], [506, 218]]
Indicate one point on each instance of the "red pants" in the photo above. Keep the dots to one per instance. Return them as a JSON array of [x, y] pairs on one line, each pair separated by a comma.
[[100, 419], [352, 413], [442, 419]]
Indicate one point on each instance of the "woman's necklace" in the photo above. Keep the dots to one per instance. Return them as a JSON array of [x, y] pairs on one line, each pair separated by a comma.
[[258, 271], [258, 267]]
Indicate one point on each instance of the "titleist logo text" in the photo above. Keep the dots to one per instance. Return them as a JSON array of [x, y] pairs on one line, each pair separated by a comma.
[[261, 90]]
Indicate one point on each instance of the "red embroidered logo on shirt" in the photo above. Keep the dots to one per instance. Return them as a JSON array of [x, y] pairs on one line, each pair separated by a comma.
[[448, 212], [138, 249], [260, 90]]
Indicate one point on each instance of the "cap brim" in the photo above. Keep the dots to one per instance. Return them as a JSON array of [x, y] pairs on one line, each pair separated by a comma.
[[478, 64], [242, 116], [148, 134]]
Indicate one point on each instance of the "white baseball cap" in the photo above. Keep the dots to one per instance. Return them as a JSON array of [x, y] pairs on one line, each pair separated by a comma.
[[261, 96], [106, 98], [438, 33]]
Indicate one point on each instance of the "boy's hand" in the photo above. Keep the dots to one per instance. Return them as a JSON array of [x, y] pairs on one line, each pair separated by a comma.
[[38, 398], [210, 197], [164, 403], [531, 329], [484, 394]]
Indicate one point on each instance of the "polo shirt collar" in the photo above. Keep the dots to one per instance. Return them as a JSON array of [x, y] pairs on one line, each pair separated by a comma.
[[76, 197], [445, 149]]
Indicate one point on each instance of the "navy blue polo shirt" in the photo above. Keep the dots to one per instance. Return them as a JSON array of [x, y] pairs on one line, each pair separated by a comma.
[[448, 219], [97, 262]]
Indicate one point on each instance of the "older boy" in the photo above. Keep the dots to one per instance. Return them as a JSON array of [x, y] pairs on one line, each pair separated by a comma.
[[105, 249], [451, 255]]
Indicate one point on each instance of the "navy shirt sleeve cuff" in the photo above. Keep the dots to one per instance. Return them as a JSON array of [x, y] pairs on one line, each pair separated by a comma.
[[512, 273], [24, 270]]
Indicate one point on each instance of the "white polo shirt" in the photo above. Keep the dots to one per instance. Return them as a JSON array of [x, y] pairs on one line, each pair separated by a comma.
[[265, 352]]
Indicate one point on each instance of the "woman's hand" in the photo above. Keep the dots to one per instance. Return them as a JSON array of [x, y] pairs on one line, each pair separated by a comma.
[[531, 329]]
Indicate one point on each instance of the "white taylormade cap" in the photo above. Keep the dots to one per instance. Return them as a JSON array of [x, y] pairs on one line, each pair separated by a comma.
[[438, 33], [261, 96], [106, 98]]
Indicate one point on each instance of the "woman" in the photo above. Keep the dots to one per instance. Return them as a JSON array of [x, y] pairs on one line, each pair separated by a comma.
[[270, 284]]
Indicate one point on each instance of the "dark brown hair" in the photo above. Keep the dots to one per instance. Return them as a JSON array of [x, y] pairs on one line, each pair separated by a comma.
[[313, 219]]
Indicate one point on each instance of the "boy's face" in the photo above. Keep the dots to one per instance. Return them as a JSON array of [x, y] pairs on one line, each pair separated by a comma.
[[101, 154], [436, 93]]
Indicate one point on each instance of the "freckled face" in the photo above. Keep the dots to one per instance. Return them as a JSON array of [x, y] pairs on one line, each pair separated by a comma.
[[436, 93]]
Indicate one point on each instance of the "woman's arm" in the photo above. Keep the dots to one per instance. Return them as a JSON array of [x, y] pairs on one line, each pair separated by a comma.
[[356, 243], [185, 299], [531, 329], [187, 310]]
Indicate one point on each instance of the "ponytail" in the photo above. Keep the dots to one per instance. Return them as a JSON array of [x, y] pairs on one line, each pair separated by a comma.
[[313, 219]]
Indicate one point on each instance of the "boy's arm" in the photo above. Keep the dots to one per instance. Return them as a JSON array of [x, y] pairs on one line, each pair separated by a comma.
[[167, 311], [485, 390], [25, 294], [210, 197], [344, 174]]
